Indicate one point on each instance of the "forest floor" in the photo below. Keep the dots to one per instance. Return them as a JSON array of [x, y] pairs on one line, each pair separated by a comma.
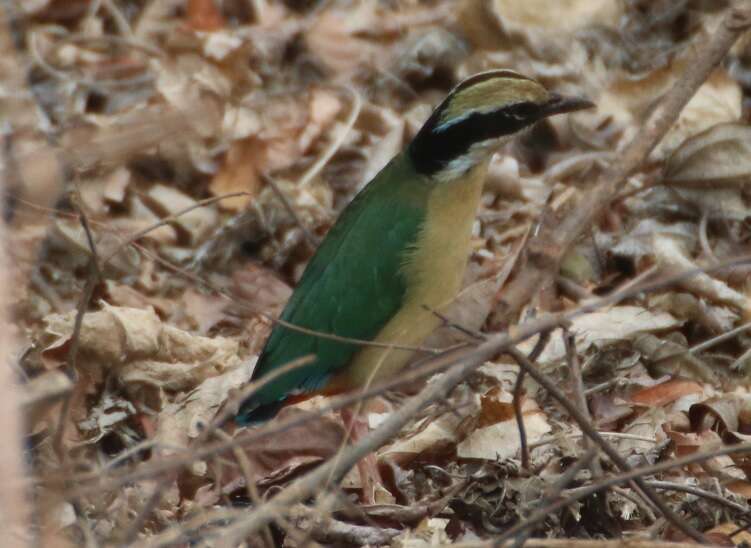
[[170, 167]]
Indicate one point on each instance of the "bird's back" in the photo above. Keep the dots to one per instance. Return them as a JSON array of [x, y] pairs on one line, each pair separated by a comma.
[[352, 287]]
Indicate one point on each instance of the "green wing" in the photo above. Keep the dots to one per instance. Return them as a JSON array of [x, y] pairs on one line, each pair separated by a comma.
[[351, 287]]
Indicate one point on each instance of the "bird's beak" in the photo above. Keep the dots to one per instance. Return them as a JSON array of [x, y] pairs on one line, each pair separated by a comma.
[[558, 104]]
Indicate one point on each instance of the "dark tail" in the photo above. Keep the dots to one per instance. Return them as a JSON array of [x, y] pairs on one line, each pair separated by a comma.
[[251, 413]]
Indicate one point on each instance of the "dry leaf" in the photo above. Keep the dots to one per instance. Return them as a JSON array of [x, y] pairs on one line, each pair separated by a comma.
[[260, 290], [106, 416], [565, 16], [203, 15], [98, 195], [239, 173], [205, 311], [437, 435], [719, 414], [664, 393], [501, 440], [671, 255], [276, 459], [721, 534], [333, 38], [717, 101], [718, 155], [142, 350], [194, 225], [616, 323], [185, 418]]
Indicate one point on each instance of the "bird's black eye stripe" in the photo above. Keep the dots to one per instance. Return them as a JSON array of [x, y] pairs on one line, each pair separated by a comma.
[[431, 150]]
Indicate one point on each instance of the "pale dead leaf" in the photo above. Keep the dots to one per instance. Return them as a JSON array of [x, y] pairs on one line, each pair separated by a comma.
[[260, 289], [718, 155], [332, 38], [437, 434], [142, 217], [324, 107], [501, 440], [120, 294], [616, 323], [184, 419], [204, 310], [717, 101], [183, 360], [142, 350], [721, 534], [672, 256], [720, 414], [244, 164], [648, 426], [238, 174], [105, 416], [721, 203], [564, 16], [98, 194], [69, 236], [195, 225], [429, 533]]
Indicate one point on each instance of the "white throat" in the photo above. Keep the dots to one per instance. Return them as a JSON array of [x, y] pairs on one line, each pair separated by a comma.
[[477, 153]]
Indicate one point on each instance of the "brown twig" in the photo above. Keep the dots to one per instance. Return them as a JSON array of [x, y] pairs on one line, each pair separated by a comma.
[[519, 417], [94, 278], [577, 385], [540, 345]]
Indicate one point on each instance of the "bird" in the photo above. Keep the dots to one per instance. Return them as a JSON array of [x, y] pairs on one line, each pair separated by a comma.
[[397, 253]]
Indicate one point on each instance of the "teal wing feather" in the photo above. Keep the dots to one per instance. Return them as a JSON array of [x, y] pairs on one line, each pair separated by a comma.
[[351, 287]]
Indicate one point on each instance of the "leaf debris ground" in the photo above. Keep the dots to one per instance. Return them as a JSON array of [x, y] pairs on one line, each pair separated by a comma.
[[134, 112]]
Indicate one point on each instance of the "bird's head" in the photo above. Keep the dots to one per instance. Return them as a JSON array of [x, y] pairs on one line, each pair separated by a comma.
[[480, 113]]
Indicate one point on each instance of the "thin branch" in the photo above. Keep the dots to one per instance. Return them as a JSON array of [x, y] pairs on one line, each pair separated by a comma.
[[577, 385], [722, 501], [93, 279], [519, 417], [540, 345], [250, 486]]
